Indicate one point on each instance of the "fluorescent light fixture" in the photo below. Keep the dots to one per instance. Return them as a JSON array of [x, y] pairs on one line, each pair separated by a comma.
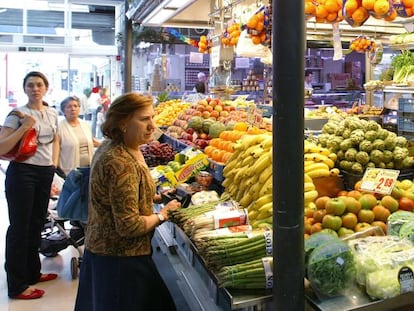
[[157, 17], [178, 4]]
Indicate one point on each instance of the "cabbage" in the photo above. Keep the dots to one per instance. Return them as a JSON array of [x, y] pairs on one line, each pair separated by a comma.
[[384, 284]]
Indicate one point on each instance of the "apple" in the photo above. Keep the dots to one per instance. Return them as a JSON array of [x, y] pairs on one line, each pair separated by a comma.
[[320, 202], [381, 213], [368, 201], [331, 222], [381, 224], [409, 194], [309, 210], [335, 206], [343, 232], [355, 194], [218, 108], [319, 214], [187, 136], [352, 205], [390, 203], [190, 131], [349, 220], [362, 226], [330, 231], [405, 184], [316, 227], [366, 215], [397, 192], [406, 204]]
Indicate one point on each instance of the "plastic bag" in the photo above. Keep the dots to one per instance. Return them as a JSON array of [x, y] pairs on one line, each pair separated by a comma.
[[246, 48]]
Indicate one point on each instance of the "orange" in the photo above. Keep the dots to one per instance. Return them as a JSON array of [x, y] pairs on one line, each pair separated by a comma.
[[381, 7], [208, 151], [360, 15], [256, 39], [331, 17], [310, 8], [391, 16], [203, 38], [350, 7], [368, 4], [321, 11], [408, 3], [409, 12], [252, 22], [332, 6], [259, 26], [260, 16]]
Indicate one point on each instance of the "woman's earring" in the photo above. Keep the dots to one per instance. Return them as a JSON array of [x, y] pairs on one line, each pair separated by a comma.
[[124, 130]]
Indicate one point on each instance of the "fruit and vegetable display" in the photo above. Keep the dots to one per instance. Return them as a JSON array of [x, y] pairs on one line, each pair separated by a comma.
[[254, 274], [156, 153], [403, 65], [330, 268], [378, 263], [248, 178], [167, 112], [360, 143]]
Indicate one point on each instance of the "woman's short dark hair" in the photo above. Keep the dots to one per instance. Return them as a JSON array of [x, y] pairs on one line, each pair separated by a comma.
[[122, 109], [66, 101], [35, 74]]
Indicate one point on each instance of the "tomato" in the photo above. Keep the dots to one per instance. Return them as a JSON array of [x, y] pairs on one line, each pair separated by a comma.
[[406, 204]]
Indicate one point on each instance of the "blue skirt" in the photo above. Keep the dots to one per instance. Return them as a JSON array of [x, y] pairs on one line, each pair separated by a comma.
[[108, 283]]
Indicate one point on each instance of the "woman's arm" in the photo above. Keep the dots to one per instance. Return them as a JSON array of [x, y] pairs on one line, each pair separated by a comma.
[[9, 137], [56, 150]]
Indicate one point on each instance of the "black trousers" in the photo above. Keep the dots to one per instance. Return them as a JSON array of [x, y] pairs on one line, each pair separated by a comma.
[[108, 283], [27, 193]]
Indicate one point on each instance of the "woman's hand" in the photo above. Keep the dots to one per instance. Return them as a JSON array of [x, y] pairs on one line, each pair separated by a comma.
[[170, 206], [27, 121]]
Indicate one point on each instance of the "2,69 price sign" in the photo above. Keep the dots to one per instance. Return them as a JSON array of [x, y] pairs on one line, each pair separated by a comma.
[[379, 180]]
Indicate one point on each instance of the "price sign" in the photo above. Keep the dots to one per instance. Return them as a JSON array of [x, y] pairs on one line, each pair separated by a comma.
[[379, 180]]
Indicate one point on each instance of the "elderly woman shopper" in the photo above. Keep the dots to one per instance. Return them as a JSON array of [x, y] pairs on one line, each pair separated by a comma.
[[117, 271], [76, 143]]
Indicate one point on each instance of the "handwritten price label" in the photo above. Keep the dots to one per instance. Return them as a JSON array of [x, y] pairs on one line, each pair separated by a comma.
[[379, 180]]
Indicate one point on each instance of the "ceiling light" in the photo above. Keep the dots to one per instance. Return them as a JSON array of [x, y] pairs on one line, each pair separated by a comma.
[[178, 4], [156, 18]]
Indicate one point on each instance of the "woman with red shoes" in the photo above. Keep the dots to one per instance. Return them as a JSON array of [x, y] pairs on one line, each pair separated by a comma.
[[27, 188]]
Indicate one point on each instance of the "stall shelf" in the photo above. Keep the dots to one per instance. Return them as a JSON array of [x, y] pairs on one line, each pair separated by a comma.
[[358, 301]]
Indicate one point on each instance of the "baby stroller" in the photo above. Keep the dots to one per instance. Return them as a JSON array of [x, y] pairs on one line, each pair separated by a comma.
[[72, 206]]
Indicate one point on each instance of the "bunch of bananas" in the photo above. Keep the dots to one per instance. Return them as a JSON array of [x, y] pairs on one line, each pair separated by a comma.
[[309, 189], [248, 178], [319, 161]]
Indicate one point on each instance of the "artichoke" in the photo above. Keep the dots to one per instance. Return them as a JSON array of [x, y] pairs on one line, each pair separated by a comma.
[[400, 153], [365, 145], [357, 168], [371, 135], [378, 144], [362, 157], [350, 154], [376, 156]]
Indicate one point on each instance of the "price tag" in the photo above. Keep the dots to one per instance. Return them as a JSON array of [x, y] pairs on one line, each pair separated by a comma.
[[379, 180], [405, 277]]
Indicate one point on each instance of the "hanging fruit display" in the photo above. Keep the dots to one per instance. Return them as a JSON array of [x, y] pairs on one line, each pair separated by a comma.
[[259, 26], [231, 35], [362, 44], [205, 44], [324, 11]]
